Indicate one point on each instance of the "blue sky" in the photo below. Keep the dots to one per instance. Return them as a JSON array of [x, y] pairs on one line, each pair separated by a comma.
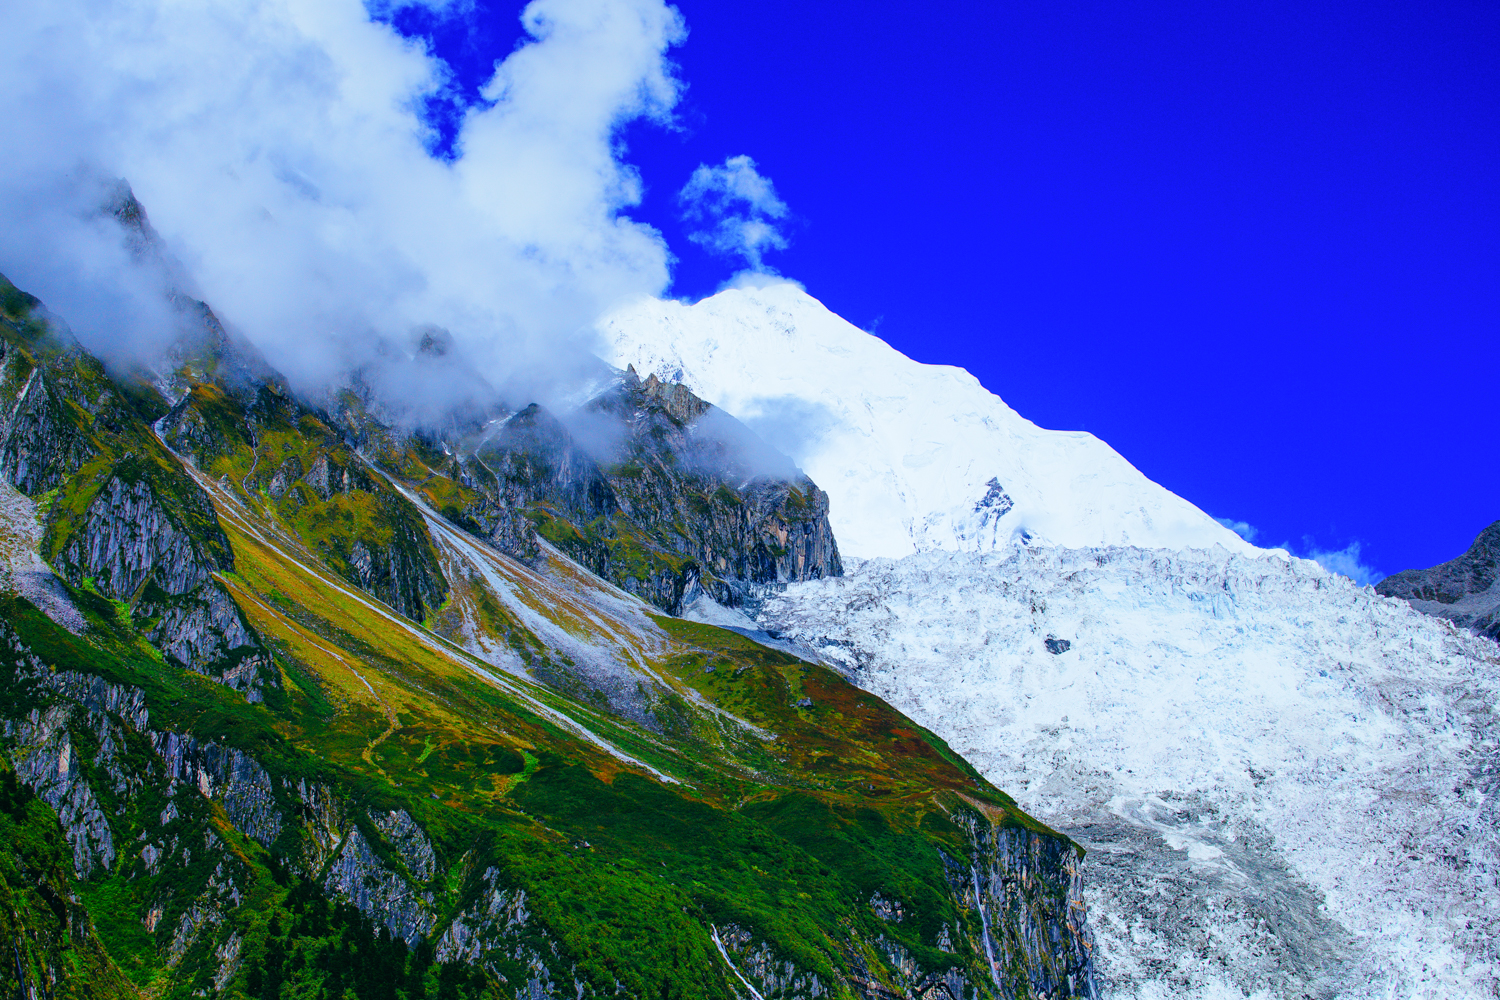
[[1253, 246]]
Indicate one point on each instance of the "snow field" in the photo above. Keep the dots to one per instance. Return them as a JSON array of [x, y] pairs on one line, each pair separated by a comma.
[[906, 451], [1289, 784]]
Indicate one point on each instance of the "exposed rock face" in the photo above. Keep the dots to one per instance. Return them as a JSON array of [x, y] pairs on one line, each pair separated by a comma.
[[535, 460], [395, 562], [39, 446], [47, 761], [408, 840], [755, 963], [1028, 892], [127, 537], [380, 892], [496, 924], [658, 492], [133, 546], [1466, 590], [226, 775], [86, 750]]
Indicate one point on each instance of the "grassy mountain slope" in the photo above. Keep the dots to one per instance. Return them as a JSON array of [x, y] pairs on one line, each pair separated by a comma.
[[447, 772]]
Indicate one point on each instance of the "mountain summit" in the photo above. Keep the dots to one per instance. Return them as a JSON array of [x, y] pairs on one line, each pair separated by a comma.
[[914, 457]]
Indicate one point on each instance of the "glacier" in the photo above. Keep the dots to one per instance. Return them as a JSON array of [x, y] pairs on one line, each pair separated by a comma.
[[914, 457], [1288, 785]]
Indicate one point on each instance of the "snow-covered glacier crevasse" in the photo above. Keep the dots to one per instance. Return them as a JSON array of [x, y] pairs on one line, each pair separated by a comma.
[[914, 457], [1287, 783]]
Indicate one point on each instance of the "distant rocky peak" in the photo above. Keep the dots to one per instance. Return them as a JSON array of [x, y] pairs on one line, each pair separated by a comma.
[[434, 342], [534, 428], [1465, 590], [120, 202]]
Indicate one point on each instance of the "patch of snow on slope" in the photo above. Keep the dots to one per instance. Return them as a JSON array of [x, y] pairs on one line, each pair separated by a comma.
[[1288, 784], [914, 457]]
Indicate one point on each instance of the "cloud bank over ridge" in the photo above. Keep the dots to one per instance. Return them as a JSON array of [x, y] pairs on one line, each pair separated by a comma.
[[281, 154]]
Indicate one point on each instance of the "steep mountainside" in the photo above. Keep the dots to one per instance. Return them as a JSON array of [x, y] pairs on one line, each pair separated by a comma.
[[1466, 590], [646, 485], [1289, 786], [279, 722], [914, 456]]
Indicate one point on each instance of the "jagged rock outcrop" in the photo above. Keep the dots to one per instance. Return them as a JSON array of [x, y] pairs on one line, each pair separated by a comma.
[[491, 922], [226, 775], [409, 842], [380, 892], [658, 492], [534, 459], [1466, 590], [758, 966], [127, 536], [46, 761], [1027, 890], [39, 445], [159, 553]]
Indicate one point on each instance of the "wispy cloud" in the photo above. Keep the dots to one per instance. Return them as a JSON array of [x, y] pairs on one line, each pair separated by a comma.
[[289, 172], [1345, 561], [1244, 529], [737, 209]]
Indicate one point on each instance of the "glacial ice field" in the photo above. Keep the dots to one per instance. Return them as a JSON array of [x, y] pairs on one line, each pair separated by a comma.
[[1288, 785]]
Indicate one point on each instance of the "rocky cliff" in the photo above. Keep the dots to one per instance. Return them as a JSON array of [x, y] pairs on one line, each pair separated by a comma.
[[1465, 590], [122, 518], [652, 489]]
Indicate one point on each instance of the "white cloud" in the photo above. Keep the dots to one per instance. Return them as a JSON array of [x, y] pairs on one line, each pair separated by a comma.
[[737, 208], [1346, 562], [279, 152], [1244, 529]]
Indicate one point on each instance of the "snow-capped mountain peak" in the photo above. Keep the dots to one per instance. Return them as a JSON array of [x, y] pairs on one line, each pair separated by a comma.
[[914, 457]]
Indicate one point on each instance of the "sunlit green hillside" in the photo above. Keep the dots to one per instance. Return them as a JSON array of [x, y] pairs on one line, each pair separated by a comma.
[[277, 728]]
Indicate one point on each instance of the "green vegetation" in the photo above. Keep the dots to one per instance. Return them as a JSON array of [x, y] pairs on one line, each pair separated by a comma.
[[594, 790], [53, 942]]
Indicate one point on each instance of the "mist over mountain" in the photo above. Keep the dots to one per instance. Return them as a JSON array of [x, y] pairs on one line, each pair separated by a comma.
[[404, 599], [289, 177], [296, 699]]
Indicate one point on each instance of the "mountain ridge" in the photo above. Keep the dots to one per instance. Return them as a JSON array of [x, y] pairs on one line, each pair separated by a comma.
[[1465, 590], [915, 457], [524, 780]]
